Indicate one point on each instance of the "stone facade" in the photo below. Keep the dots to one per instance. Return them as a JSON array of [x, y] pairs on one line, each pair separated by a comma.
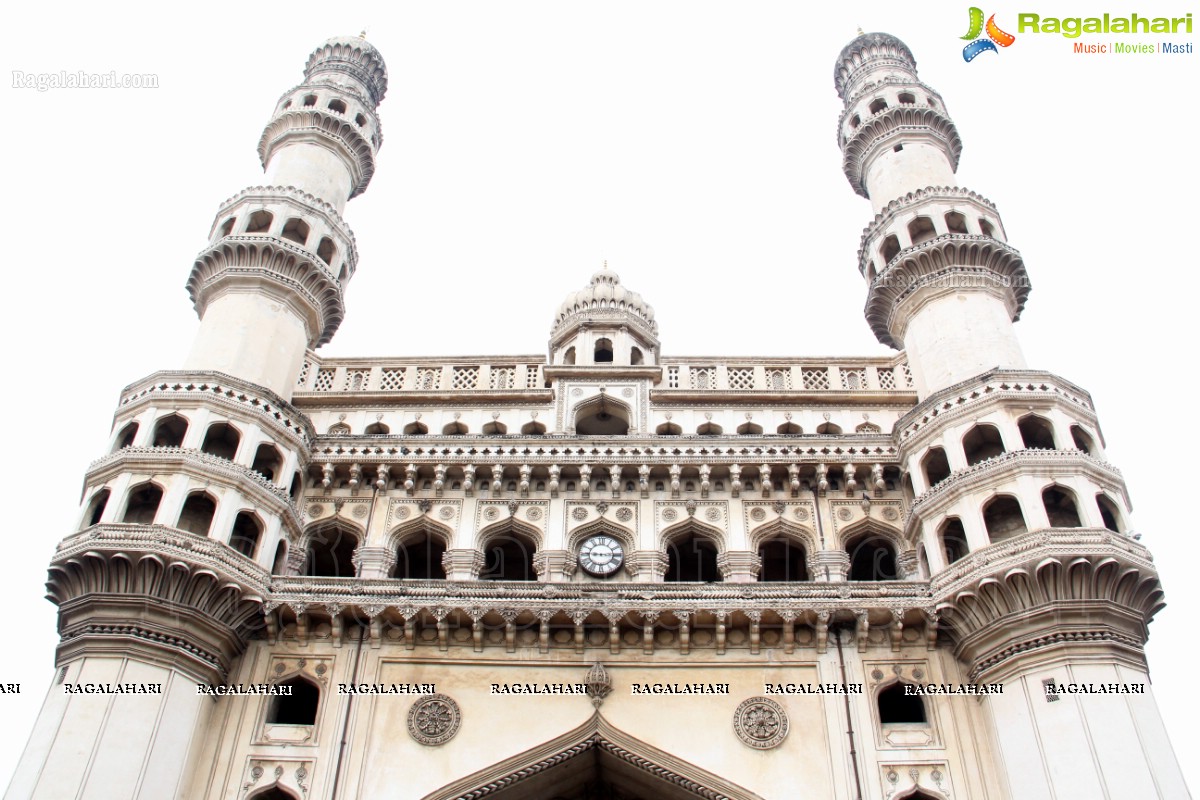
[[605, 571]]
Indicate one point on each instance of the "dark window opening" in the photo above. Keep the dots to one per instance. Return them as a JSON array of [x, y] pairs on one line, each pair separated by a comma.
[[246, 533], [1036, 432], [509, 557], [169, 431], [692, 558], [1003, 518], [126, 436], [896, 707], [221, 440], [872, 559], [981, 443], [267, 461], [954, 540], [1061, 509], [197, 514], [783, 560], [97, 505], [604, 352], [935, 466], [419, 557], [297, 708], [331, 554]]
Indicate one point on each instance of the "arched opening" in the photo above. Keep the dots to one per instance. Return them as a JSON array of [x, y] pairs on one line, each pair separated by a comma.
[[169, 431], [360, 120], [981, 443], [495, 428], [783, 559], [456, 428], [855, 121], [1036, 432], [569, 357], [533, 428], [331, 553], [1060, 508], [273, 793], [508, 556], [935, 466], [416, 429], [749, 429], [247, 531], [142, 505], [602, 417], [126, 436], [299, 707], [709, 429], [338, 106], [668, 429], [267, 461], [789, 429], [295, 230], [635, 357], [221, 440], [829, 429], [691, 557], [896, 707], [954, 540], [872, 558], [326, 251], [1083, 440], [310, 100], [907, 99], [279, 563], [921, 230], [603, 353], [1003, 518], [96, 506], [891, 247], [260, 222], [377, 429], [419, 557], [297, 486], [986, 228], [197, 514], [1109, 513], [877, 105], [956, 222], [227, 226]]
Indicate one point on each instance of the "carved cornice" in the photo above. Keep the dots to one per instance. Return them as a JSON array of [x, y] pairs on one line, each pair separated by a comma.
[[354, 57], [874, 87], [322, 128], [252, 259], [878, 131], [948, 263], [225, 391]]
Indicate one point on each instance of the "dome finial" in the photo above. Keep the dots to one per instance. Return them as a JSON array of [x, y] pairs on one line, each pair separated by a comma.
[[363, 34], [860, 30]]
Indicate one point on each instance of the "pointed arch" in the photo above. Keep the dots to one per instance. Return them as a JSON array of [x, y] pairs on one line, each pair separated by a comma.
[[419, 546], [509, 549], [603, 748], [692, 549], [874, 551], [604, 527], [603, 415], [273, 792], [329, 547]]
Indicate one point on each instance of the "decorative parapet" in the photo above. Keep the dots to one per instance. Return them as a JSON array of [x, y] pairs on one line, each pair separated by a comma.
[[520, 377], [226, 391], [955, 196]]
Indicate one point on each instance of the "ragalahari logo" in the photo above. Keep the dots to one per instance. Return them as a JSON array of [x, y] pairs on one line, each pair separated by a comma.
[[995, 36]]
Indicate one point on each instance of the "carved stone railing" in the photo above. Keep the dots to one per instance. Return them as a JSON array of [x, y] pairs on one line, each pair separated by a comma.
[[423, 378]]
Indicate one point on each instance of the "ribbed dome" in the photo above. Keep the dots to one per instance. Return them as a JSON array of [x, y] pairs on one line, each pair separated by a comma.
[[866, 48], [604, 294], [354, 56]]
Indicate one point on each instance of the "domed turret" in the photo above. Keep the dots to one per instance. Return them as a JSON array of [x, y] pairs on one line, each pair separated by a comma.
[[604, 324]]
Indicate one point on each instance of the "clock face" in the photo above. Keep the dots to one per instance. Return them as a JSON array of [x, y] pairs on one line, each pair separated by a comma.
[[601, 555]]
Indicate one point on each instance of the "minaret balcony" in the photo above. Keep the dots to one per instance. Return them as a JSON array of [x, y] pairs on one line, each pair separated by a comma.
[[327, 129], [893, 127]]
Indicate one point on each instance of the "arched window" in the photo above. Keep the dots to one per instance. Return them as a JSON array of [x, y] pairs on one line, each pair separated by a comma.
[[907, 98], [749, 429], [1003, 518], [419, 557], [899, 708], [267, 461], [96, 507], [783, 559], [221, 440], [297, 486], [956, 222], [1036, 432], [331, 553], [1061, 508], [668, 429], [455, 428], [297, 708], [601, 419], [692, 557], [142, 504], [829, 429], [1108, 512], [935, 466], [954, 540], [279, 563], [986, 228], [227, 227], [509, 557], [377, 429], [246, 533], [416, 429], [872, 558], [877, 105], [197, 514], [981, 443], [126, 436], [310, 100], [921, 230], [326, 251], [569, 356], [295, 230], [274, 793], [1083, 440], [360, 120], [710, 429], [636, 358], [260, 222], [338, 106], [495, 428], [891, 247], [789, 429], [533, 428], [169, 431], [604, 351]]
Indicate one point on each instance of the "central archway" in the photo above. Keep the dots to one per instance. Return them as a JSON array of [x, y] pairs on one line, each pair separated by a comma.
[[594, 760]]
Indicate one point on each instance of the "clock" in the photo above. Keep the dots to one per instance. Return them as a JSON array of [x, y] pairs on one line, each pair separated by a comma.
[[601, 555]]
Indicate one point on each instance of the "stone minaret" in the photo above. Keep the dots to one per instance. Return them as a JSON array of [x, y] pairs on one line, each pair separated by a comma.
[[1022, 525], [214, 450]]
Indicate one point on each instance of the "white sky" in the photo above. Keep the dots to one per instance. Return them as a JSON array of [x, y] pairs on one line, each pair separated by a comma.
[[692, 144]]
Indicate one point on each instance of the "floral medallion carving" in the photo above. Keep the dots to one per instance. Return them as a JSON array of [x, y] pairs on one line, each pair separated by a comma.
[[891, 514], [359, 511], [446, 512], [713, 514], [802, 514], [491, 512], [534, 513], [434, 719], [758, 514], [316, 510], [670, 515], [579, 512], [402, 512], [844, 514], [624, 514], [761, 723]]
